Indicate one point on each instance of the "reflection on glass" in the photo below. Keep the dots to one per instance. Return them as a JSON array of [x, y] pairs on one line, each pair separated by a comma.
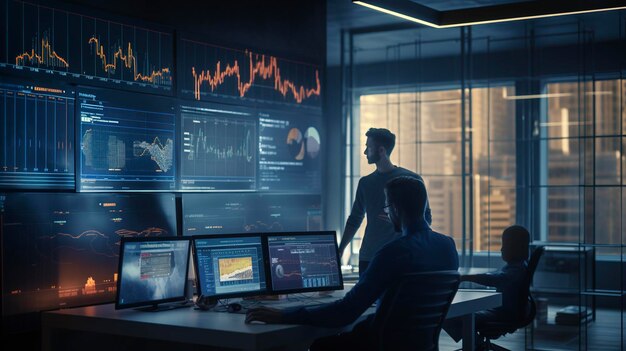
[[564, 217], [607, 161], [493, 156], [606, 214]]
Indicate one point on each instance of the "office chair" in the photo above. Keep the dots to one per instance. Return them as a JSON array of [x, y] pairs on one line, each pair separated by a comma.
[[412, 311], [492, 331]]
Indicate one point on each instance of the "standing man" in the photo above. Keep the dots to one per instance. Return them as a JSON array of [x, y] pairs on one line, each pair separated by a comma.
[[370, 198]]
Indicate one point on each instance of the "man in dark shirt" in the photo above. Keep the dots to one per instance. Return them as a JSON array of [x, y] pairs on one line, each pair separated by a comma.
[[370, 198], [510, 281], [419, 249]]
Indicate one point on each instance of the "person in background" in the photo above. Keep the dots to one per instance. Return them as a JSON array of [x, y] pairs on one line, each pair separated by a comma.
[[369, 198], [418, 249], [510, 281]]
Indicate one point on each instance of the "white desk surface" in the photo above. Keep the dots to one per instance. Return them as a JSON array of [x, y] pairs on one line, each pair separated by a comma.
[[186, 325]]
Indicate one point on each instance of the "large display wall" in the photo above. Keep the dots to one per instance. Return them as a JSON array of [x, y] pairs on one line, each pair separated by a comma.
[[113, 127]]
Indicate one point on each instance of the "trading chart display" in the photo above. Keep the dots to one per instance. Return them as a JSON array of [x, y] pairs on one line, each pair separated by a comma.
[[229, 213], [304, 262], [209, 72], [229, 266], [219, 147], [61, 250], [37, 136], [51, 42], [289, 151], [126, 141]]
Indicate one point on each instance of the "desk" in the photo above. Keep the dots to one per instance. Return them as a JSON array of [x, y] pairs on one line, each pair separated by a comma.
[[219, 330]]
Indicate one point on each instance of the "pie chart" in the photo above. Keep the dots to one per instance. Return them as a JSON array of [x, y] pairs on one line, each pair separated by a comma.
[[295, 143], [312, 140]]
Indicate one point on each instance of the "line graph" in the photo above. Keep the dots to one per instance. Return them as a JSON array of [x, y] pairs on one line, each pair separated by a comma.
[[213, 71], [129, 61], [163, 155], [42, 54], [44, 40]]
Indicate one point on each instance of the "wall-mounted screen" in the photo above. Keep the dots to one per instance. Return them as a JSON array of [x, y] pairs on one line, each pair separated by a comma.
[[227, 213], [213, 72], [52, 43], [218, 147], [37, 136], [61, 250], [126, 141], [290, 147]]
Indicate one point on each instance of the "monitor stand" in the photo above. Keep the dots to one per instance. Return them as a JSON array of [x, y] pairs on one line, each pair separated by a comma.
[[164, 307]]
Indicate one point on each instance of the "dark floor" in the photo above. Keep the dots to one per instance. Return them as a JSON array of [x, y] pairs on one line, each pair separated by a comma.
[[606, 333]]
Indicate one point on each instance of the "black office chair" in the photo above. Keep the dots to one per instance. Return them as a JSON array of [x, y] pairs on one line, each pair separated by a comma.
[[412, 311], [495, 330]]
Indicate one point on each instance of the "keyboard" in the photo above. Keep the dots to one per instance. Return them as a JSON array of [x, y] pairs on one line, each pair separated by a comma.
[[292, 301]]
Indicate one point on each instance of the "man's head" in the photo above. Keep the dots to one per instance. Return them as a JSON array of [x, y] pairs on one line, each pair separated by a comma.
[[405, 201], [380, 142], [515, 241]]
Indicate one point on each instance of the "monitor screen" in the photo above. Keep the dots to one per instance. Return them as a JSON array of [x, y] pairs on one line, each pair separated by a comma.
[[229, 265], [219, 147], [126, 140], [37, 136], [250, 213], [301, 262], [152, 271], [60, 250]]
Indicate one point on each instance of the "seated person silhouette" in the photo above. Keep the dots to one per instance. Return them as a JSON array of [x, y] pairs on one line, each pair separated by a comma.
[[419, 249], [509, 280]]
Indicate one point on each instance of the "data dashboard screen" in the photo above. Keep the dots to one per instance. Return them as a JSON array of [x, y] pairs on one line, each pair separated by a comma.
[[304, 262], [218, 73], [229, 266], [289, 151], [227, 213], [152, 271], [36, 135], [52, 43], [61, 249], [219, 147], [127, 141]]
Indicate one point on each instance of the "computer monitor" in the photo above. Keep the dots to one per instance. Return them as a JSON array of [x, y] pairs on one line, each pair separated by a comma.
[[152, 273], [230, 265], [304, 262]]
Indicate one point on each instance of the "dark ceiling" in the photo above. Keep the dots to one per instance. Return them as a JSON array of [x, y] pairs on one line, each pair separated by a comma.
[[378, 46]]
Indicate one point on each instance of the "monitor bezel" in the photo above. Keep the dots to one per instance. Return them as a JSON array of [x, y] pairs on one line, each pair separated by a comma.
[[148, 303], [264, 252], [332, 233]]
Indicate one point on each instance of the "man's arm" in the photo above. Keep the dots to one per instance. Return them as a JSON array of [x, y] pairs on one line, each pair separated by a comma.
[[354, 220]]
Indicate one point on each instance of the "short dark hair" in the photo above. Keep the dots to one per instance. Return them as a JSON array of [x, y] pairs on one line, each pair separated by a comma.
[[409, 195], [382, 137], [517, 240]]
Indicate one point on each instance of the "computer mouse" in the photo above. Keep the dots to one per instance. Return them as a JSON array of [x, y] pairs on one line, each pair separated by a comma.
[[234, 307]]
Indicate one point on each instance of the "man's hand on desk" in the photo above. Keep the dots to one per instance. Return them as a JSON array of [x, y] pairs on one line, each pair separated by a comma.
[[264, 314]]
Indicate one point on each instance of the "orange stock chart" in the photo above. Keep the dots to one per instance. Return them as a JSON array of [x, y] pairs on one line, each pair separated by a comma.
[[48, 41], [208, 71]]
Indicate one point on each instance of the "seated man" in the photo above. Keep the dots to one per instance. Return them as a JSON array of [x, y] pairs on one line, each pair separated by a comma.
[[509, 280], [419, 249]]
